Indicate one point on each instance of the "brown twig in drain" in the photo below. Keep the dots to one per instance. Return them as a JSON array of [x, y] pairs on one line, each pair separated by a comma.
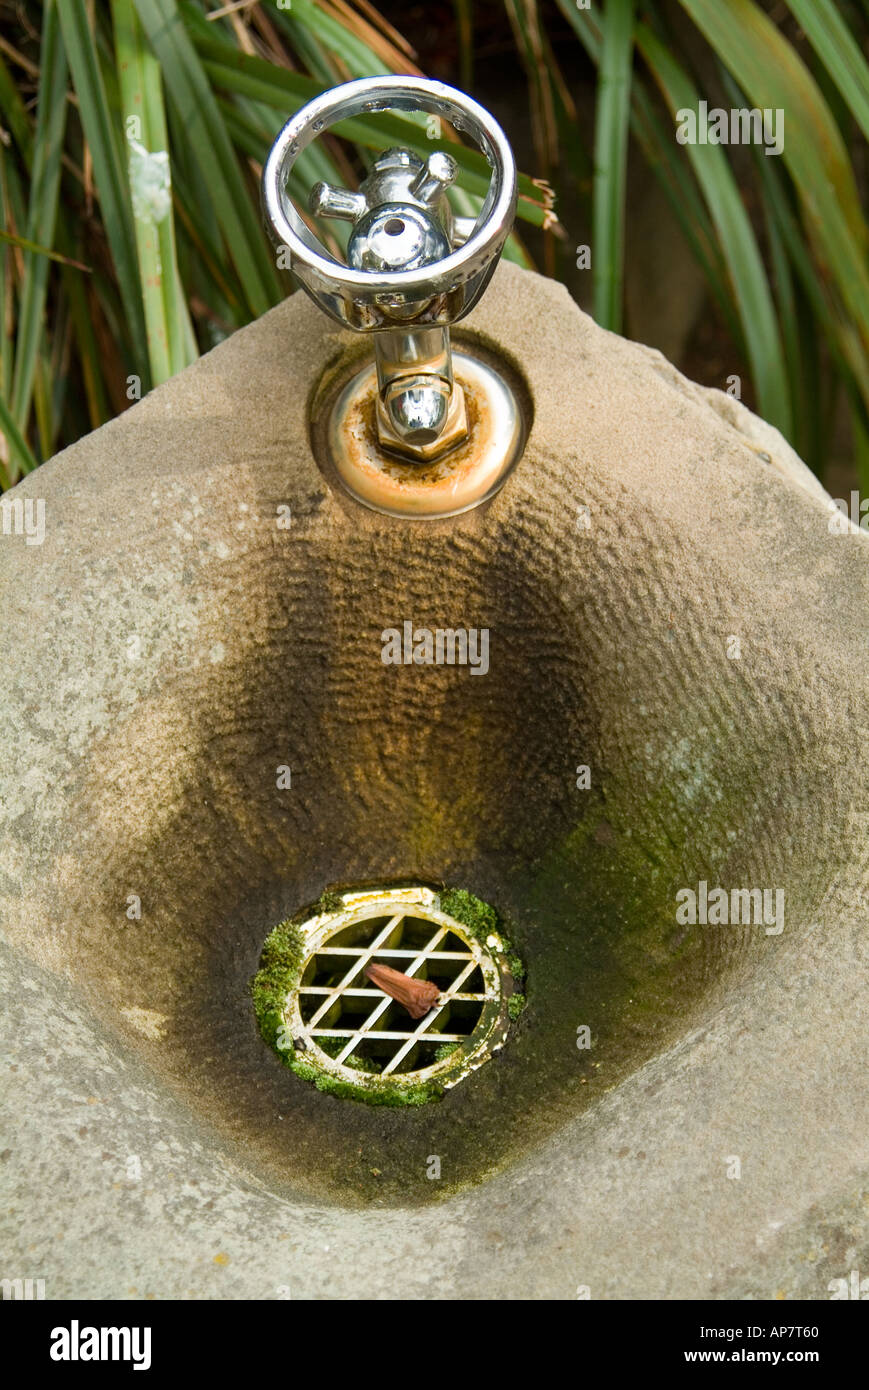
[[417, 996]]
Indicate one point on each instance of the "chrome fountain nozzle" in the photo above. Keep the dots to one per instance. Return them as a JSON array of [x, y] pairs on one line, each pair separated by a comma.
[[412, 267]]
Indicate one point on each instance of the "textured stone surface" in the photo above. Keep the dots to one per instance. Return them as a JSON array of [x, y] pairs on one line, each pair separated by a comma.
[[169, 646]]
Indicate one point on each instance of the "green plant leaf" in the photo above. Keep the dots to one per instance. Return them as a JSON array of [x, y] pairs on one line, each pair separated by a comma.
[[612, 119], [769, 70], [838, 50], [41, 213], [171, 344], [674, 175], [24, 245], [103, 139], [14, 114], [245, 74], [748, 277], [19, 450], [199, 116]]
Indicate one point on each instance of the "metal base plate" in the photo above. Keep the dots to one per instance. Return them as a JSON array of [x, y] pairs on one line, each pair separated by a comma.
[[456, 482]]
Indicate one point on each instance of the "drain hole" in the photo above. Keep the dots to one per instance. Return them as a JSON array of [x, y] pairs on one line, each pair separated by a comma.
[[335, 1025], [353, 1022]]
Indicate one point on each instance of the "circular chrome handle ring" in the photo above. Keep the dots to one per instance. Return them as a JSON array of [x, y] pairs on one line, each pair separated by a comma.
[[453, 283]]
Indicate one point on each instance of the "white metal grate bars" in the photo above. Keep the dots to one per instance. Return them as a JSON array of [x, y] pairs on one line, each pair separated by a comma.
[[330, 1018]]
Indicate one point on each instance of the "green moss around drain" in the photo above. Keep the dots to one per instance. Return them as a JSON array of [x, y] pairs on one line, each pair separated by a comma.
[[515, 1004], [280, 963], [515, 966], [327, 902], [481, 920], [375, 1093], [280, 966]]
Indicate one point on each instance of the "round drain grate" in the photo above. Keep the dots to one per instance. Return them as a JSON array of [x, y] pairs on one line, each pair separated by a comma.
[[336, 1025]]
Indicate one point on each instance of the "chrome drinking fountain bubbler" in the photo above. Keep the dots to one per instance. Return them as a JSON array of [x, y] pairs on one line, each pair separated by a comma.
[[422, 430]]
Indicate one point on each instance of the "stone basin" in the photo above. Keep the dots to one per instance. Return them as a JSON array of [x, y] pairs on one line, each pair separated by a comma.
[[667, 606]]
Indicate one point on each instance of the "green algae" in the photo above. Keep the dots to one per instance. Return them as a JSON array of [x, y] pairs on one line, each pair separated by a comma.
[[280, 966], [481, 920], [376, 1093], [515, 1005], [281, 962]]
